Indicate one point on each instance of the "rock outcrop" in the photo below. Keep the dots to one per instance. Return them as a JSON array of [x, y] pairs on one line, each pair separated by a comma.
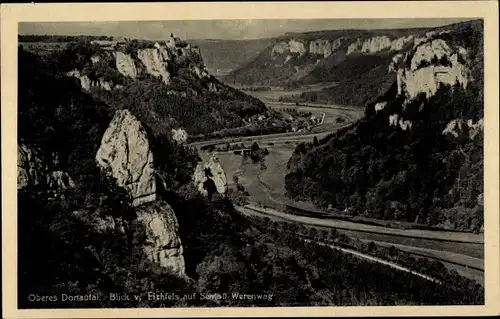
[[60, 180], [433, 63], [86, 83], [396, 120], [31, 169], [162, 245], [144, 59], [395, 62], [460, 127], [400, 43], [179, 135], [380, 106], [125, 153], [155, 228], [125, 64], [35, 170], [292, 46], [156, 62], [377, 44], [321, 47], [212, 171]]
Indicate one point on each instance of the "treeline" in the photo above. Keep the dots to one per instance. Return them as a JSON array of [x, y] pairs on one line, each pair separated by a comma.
[[63, 38]]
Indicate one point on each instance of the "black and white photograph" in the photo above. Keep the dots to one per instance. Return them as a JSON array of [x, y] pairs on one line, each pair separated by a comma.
[[219, 163]]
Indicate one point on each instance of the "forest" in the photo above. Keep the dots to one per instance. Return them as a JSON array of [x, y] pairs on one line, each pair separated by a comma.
[[376, 170]]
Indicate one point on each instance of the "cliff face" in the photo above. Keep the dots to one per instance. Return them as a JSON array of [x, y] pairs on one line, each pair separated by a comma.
[[126, 155], [328, 56], [460, 127], [162, 244], [156, 60], [125, 64], [432, 63], [165, 83], [417, 155], [125, 152], [349, 45], [87, 84], [298, 58]]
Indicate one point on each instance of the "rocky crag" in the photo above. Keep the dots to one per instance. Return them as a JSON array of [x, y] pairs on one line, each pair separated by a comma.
[[210, 173], [158, 76], [126, 155], [433, 63], [133, 60]]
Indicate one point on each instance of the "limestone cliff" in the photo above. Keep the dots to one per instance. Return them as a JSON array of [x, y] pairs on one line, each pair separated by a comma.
[[209, 172], [132, 61], [327, 56], [125, 64], [292, 46], [155, 229], [432, 63], [162, 245], [325, 47], [126, 154], [156, 62]]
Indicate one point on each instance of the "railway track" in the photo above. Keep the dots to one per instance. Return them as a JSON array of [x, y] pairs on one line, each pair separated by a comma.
[[472, 266]]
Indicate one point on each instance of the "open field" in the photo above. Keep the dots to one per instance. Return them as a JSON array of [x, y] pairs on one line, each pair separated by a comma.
[[266, 187], [274, 92]]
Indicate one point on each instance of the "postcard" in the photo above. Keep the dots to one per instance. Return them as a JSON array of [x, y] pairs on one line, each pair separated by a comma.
[[250, 159]]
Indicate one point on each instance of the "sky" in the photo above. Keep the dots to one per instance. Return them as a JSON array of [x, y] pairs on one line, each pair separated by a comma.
[[218, 29]]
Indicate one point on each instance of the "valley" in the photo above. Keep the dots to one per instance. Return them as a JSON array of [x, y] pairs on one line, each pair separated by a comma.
[[460, 251], [266, 184], [337, 167]]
